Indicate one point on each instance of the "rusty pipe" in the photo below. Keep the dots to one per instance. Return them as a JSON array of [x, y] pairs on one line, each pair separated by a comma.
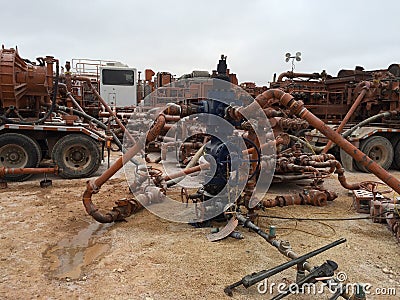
[[104, 103], [297, 108], [237, 112], [172, 118], [309, 197], [69, 95], [291, 74], [338, 168], [286, 178], [187, 171], [365, 88], [17, 171], [191, 164], [93, 186], [282, 139]]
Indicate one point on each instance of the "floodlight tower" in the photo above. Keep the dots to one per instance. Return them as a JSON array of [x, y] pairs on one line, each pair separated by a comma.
[[289, 56]]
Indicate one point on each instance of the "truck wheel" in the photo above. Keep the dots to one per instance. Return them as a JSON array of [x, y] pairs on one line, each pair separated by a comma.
[[77, 156], [379, 149], [18, 151], [396, 159]]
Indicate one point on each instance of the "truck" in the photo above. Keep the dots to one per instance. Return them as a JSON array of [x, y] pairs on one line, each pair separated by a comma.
[[67, 117], [33, 128], [48, 114], [115, 81]]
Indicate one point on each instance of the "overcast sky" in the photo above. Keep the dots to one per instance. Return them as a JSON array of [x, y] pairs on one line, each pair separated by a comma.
[[181, 36]]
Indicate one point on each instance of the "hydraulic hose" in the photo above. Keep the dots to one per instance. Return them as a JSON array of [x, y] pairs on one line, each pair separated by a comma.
[[348, 132], [386, 114], [104, 103], [90, 119]]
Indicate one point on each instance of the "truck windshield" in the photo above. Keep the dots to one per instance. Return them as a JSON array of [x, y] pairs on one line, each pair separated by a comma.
[[117, 77]]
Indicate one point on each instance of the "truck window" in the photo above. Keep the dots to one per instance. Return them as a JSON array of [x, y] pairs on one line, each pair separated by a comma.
[[117, 77]]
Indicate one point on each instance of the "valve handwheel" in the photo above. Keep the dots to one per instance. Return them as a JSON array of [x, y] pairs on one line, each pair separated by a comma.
[[198, 205], [372, 186]]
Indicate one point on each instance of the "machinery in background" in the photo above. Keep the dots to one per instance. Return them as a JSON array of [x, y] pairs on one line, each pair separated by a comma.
[[47, 114], [224, 161], [362, 104], [32, 126]]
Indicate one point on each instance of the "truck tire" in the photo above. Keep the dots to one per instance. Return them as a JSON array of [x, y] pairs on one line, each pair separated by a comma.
[[77, 156], [379, 149], [396, 159], [18, 151]]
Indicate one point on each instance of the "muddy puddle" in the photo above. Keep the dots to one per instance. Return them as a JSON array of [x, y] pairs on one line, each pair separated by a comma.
[[71, 255]]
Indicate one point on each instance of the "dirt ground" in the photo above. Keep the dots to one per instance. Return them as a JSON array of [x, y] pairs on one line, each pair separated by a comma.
[[51, 249]]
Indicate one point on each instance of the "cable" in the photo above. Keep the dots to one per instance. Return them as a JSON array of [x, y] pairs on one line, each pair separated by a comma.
[[295, 228], [309, 232], [292, 229], [322, 219], [303, 141]]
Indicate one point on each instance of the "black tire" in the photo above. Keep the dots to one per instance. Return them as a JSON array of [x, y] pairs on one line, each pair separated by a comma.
[[77, 156], [19, 151], [396, 159], [379, 149]]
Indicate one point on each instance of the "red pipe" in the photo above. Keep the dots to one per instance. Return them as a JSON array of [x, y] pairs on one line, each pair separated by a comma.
[[93, 186], [290, 74], [187, 171], [365, 88], [17, 171], [297, 108]]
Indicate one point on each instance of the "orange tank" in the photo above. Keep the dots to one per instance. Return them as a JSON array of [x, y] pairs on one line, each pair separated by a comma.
[[24, 85]]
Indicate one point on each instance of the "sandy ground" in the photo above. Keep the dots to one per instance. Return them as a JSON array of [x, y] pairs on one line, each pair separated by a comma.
[[51, 249]]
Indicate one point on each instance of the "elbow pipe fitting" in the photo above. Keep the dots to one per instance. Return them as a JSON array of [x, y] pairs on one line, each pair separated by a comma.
[[93, 186]]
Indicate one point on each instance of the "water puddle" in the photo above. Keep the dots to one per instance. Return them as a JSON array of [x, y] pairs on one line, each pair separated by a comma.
[[72, 254]]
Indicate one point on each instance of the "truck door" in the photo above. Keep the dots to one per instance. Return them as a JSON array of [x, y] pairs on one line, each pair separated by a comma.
[[118, 86]]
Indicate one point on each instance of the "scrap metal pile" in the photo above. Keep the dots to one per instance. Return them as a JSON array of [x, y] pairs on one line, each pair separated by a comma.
[[363, 103], [245, 144], [208, 126]]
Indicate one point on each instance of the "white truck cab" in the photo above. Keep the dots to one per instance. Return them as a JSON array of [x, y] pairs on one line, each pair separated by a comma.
[[118, 85]]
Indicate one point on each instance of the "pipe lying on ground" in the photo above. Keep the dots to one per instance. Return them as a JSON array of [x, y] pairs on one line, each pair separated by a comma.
[[18, 171], [308, 197]]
